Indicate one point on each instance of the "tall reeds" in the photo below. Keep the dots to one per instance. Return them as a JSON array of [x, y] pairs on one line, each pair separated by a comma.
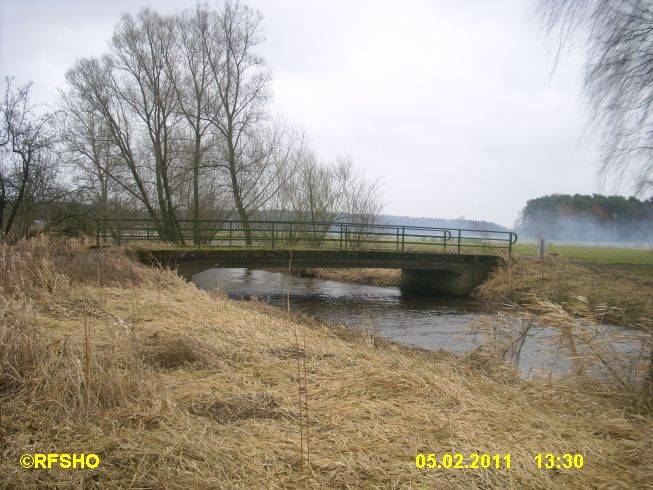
[[579, 305]]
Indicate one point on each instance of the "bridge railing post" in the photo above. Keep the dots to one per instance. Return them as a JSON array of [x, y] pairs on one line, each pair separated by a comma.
[[511, 242], [444, 239], [340, 226], [273, 234], [459, 241], [403, 238]]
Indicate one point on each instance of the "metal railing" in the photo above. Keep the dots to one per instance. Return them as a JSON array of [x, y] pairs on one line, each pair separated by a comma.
[[301, 234]]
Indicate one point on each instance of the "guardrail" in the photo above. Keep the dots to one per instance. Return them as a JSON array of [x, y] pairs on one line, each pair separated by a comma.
[[285, 234]]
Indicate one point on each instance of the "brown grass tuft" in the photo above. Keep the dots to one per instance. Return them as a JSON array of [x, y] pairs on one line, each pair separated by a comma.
[[171, 352], [240, 407]]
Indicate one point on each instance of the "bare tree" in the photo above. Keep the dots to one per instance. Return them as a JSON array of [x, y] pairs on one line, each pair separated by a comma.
[[88, 144], [131, 89], [619, 41], [176, 118], [240, 82], [361, 204], [190, 74], [323, 194], [28, 165]]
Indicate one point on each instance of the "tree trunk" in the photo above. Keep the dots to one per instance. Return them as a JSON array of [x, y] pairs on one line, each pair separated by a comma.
[[21, 193], [3, 202], [197, 239], [236, 192]]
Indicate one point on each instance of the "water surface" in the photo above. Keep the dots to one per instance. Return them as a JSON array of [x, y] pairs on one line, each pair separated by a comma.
[[426, 321]]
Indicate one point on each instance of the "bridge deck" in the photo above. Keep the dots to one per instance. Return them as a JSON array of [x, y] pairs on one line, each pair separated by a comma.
[[314, 258]]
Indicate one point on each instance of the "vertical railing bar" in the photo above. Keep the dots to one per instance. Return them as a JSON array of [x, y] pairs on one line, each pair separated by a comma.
[[459, 241], [273, 223]]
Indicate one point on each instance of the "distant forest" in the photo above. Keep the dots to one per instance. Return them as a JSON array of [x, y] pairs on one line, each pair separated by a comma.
[[584, 218], [441, 223]]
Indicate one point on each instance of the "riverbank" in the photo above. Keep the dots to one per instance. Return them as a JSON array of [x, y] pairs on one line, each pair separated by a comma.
[[175, 387], [613, 294], [368, 277]]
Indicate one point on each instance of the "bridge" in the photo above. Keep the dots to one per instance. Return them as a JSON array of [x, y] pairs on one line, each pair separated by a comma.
[[440, 260]]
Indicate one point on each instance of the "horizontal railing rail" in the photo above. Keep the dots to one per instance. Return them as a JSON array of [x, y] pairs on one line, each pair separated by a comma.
[[285, 234]]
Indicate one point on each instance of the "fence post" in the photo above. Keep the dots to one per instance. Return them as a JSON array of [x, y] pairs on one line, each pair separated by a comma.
[[444, 239], [458, 241], [119, 232], [403, 238], [397, 238], [230, 226], [97, 232], [273, 234], [290, 235]]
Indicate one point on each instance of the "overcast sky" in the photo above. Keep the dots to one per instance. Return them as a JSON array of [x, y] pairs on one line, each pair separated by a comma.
[[451, 104]]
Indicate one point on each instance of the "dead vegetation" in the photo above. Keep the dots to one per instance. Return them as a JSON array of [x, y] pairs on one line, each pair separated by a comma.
[[176, 388], [581, 306], [370, 277], [605, 296]]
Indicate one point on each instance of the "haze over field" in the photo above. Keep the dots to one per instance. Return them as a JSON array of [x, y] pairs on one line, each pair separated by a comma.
[[452, 106]]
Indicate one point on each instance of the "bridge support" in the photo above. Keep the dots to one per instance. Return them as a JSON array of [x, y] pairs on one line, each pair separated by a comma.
[[444, 273], [454, 282]]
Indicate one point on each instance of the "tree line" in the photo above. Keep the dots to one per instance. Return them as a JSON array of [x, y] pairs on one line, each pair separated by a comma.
[[586, 218], [173, 122]]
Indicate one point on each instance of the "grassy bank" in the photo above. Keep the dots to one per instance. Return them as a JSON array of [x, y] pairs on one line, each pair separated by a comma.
[[612, 294], [174, 387]]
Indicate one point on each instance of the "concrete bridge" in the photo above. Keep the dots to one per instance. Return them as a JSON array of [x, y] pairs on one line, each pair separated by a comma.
[[441, 273], [439, 260]]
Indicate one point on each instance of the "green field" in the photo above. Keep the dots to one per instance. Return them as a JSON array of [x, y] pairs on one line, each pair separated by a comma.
[[609, 255]]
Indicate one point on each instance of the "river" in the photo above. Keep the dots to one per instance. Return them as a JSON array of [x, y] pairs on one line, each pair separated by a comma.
[[419, 320]]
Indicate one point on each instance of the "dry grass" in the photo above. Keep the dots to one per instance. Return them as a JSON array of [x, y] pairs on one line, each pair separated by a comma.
[[370, 277], [176, 388], [600, 295]]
